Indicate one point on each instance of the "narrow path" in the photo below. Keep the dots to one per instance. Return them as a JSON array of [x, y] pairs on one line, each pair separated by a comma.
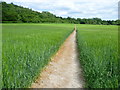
[[64, 70]]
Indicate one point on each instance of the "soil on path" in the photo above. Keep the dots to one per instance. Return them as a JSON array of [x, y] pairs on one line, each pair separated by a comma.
[[64, 70]]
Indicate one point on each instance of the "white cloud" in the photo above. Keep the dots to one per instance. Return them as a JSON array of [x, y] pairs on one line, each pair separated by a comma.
[[105, 9], [63, 0]]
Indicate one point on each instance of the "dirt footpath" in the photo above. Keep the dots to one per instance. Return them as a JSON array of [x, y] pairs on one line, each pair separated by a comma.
[[64, 69]]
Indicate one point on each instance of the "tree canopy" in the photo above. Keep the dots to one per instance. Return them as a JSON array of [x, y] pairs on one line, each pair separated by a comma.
[[12, 13]]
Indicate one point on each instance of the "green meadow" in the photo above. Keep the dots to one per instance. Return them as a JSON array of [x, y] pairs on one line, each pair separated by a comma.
[[98, 53], [27, 48], [0, 56]]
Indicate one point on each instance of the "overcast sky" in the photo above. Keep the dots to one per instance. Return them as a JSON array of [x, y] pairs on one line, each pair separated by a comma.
[[105, 9]]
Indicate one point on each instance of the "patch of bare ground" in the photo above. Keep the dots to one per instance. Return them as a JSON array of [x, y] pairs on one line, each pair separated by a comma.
[[64, 70]]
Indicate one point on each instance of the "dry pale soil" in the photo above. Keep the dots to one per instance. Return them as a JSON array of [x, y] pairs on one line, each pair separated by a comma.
[[64, 70]]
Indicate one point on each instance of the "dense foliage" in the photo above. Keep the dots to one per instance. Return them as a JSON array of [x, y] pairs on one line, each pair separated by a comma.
[[27, 48], [98, 46], [13, 14]]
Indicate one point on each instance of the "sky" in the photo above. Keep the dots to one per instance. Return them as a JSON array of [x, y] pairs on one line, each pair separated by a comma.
[[104, 9]]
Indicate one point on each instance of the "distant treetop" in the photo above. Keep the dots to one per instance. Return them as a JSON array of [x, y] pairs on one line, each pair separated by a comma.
[[12, 13]]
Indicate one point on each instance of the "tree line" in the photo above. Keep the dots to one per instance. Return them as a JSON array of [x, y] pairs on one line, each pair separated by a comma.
[[12, 13]]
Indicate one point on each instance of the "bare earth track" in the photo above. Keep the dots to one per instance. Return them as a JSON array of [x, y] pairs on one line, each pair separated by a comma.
[[64, 70]]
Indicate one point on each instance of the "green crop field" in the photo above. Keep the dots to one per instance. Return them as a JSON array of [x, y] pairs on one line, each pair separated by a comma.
[[27, 48], [0, 56], [98, 53]]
